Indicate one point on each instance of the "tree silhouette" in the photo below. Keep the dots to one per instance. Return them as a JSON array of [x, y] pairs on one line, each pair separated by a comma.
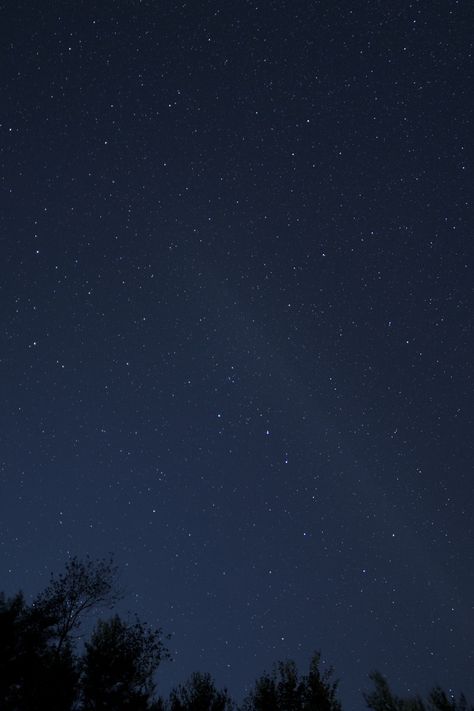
[[41, 670], [199, 693], [320, 690], [381, 698], [285, 690], [264, 695], [84, 586], [118, 666], [34, 674], [439, 701]]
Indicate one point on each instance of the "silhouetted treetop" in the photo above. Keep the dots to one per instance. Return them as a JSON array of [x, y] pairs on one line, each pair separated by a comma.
[[382, 698], [42, 668], [85, 585], [285, 690], [199, 693], [34, 674], [118, 665]]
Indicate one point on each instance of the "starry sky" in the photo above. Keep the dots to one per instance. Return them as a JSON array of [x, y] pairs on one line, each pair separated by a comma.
[[235, 345]]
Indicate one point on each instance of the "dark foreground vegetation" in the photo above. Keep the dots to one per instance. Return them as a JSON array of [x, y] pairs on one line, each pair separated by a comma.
[[42, 670]]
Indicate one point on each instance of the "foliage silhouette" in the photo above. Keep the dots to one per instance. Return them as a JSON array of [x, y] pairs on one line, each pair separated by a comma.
[[41, 669], [199, 693], [118, 665], [381, 698], [34, 674], [84, 586], [285, 690]]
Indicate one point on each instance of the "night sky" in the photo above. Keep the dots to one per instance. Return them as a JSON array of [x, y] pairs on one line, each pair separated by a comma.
[[236, 303]]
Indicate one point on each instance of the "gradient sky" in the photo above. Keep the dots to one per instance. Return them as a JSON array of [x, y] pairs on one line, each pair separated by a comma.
[[236, 306]]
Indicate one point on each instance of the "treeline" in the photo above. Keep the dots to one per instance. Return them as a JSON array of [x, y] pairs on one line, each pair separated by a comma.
[[42, 670]]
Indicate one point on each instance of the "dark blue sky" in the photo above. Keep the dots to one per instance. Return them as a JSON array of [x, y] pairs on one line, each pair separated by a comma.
[[236, 306]]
